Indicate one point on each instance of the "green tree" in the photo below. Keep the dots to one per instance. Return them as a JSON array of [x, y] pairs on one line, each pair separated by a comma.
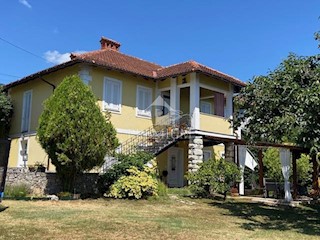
[[6, 111], [74, 132], [283, 106], [272, 163]]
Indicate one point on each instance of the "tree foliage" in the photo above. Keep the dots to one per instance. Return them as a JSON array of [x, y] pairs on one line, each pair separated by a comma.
[[74, 132], [284, 105], [272, 163], [6, 111], [214, 175]]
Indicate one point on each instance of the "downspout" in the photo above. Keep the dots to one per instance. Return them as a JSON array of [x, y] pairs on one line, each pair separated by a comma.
[[52, 85], [53, 88]]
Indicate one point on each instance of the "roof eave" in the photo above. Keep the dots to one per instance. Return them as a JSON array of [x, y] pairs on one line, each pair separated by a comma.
[[41, 73]]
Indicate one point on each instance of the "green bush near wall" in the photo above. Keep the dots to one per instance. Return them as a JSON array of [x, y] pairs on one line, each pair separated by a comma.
[[17, 190]]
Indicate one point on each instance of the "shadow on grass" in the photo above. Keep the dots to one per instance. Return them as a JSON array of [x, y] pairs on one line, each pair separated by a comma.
[[2, 208], [304, 219]]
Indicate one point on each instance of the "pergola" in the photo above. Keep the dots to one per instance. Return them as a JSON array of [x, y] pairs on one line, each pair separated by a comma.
[[288, 154]]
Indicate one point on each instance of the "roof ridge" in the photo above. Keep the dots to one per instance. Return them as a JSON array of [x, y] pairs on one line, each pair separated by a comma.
[[176, 64], [105, 50]]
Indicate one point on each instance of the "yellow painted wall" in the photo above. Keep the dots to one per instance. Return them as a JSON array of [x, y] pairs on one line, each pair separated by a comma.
[[164, 83], [214, 124], [216, 150], [127, 119], [185, 100], [213, 82]]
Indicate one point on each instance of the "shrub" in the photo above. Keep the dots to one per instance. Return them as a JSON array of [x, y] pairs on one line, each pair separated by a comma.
[[119, 169], [17, 190], [138, 184], [213, 176]]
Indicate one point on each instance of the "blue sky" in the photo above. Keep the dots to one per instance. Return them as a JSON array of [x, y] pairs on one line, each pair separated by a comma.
[[240, 38]]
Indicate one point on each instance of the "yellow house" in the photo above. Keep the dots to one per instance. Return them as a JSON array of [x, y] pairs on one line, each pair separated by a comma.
[[179, 113]]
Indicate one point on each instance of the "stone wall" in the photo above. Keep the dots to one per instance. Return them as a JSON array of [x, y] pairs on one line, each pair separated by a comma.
[[48, 183]]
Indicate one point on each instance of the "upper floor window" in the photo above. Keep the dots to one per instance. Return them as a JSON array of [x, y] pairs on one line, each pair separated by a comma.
[[112, 94], [26, 111], [205, 107], [144, 101]]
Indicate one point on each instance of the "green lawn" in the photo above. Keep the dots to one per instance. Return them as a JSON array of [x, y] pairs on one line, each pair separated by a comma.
[[175, 218]]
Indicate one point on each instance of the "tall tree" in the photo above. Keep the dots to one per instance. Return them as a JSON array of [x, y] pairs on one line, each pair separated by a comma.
[[284, 106], [6, 111], [74, 132]]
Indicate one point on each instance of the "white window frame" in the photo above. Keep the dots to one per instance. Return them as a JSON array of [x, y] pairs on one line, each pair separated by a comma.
[[143, 113], [108, 106], [24, 121], [209, 152], [208, 104]]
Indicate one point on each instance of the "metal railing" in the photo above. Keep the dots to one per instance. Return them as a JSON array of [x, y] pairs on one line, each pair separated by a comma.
[[159, 136]]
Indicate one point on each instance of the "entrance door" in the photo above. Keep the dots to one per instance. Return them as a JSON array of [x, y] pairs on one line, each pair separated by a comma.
[[175, 167]]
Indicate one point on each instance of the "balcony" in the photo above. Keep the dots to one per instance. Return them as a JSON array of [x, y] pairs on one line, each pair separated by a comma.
[[213, 123]]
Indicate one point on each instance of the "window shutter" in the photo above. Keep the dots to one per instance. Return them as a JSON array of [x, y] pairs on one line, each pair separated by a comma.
[[144, 101], [112, 98], [219, 104], [26, 111]]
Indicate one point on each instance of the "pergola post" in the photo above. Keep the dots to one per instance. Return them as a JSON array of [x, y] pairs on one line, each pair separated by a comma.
[[295, 156]]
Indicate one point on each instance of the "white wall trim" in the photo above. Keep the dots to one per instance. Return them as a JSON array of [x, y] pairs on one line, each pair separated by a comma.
[[128, 131], [85, 76], [195, 101], [173, 94], [212, 134]]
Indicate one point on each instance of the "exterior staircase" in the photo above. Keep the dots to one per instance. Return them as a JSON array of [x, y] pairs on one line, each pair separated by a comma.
[[159, 137], [164, 133]]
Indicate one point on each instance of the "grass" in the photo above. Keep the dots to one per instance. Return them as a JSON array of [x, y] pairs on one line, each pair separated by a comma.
[[174, 218]]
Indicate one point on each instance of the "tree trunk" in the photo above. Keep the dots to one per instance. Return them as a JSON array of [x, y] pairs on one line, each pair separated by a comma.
[[315, 174]]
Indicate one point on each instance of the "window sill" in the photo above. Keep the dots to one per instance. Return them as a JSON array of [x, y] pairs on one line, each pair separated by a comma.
[[112, 111], [143, 116]]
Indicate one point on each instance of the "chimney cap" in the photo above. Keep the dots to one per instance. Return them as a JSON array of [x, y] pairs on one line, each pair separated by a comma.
[[107, 43]]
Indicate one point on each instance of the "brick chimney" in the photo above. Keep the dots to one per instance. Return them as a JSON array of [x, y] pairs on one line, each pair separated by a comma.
[[107, 43]]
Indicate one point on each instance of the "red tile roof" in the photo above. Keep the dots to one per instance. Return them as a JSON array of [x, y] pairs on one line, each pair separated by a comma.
[[113, 59], [116, 60]]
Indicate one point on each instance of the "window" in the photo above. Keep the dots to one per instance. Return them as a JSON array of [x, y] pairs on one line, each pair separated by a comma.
[[112, 94], [26, 111], [205, 107], [207, 154], [144, 101]]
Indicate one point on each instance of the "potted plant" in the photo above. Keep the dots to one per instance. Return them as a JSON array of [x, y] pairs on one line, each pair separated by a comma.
[[40, 167]]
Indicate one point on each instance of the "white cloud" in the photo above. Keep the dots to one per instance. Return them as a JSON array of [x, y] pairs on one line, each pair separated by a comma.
[[57, 58], [25, 3]]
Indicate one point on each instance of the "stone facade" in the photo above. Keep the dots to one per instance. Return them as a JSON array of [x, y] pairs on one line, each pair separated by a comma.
[[42, 183], [229, 152], [195, 153]]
